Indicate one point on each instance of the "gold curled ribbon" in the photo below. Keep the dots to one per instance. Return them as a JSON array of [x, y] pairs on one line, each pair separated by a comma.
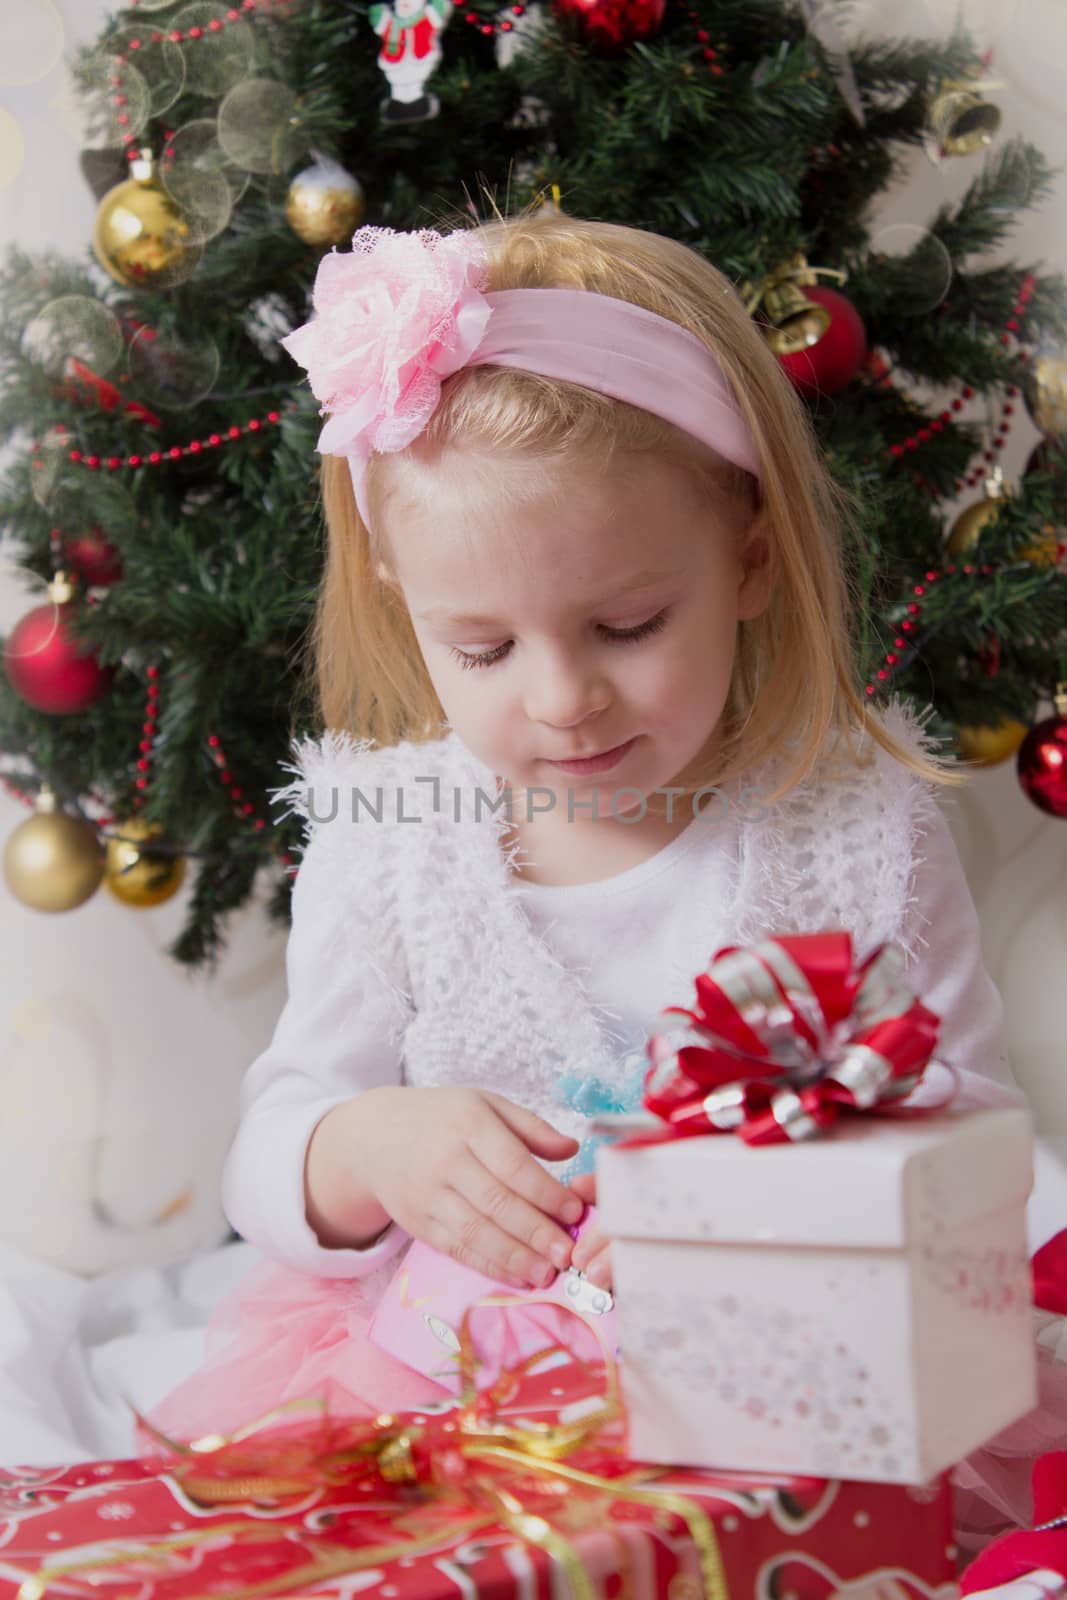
[[701, 1529], [400, 1450]]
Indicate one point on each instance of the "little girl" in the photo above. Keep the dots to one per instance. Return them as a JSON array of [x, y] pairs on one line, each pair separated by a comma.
[[583, 653]]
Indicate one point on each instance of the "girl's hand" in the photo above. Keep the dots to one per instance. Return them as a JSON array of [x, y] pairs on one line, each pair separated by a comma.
[[456, 1168], [592, 1252]]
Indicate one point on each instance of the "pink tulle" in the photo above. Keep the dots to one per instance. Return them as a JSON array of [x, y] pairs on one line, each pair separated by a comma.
[[282, 1335], [392, 318], [992, 1487]]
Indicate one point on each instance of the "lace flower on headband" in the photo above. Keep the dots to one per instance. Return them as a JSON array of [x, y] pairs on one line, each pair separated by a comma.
[[391, 319]]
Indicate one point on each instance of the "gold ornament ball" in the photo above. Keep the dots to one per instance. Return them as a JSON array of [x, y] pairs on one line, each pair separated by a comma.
[[970, 522], [1045, 388], [137, 875], [140, 234], [986, 745], [53, 862], [325, 204], [1044, 551]]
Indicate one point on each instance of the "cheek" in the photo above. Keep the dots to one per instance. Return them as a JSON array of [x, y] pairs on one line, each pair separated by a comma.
[[712, 639], [473, 698], [687, 663], [687, 682], [456, 686]]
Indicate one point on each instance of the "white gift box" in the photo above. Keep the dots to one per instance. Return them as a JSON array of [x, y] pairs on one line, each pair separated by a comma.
[[853, 1306]]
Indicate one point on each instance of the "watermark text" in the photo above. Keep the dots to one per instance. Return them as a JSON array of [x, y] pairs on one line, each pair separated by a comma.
[[627, 804]]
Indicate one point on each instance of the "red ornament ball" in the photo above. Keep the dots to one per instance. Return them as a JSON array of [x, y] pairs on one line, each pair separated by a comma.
[[50, 670], [834, 360], [610, 26], [94, 559], [1041, 765]]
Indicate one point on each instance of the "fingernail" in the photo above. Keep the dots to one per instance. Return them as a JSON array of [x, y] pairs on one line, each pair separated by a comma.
[[598, 1274], [544, 1277], [572, 1209], [561, 1254]]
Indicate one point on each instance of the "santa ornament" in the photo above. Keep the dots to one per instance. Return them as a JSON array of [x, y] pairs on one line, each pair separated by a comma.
[[410, 52]]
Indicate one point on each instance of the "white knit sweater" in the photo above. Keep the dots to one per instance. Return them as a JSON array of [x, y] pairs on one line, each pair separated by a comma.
[[416, 956]]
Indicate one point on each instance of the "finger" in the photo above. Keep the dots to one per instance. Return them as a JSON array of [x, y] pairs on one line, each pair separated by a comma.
[[583, 1184], [537, 1134], [508, 1157], [599, 1269], [511, 1212], [474, 1240], [586, 1246]]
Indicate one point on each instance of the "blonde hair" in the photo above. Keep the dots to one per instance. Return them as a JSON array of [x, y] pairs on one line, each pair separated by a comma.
[[794, 678]]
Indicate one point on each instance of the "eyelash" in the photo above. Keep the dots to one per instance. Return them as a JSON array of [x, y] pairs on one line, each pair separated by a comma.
[[629, 636]]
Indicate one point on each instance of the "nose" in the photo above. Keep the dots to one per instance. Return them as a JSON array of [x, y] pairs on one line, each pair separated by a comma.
[[565, 689]]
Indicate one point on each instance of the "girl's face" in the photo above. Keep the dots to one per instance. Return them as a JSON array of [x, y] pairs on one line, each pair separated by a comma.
[[559, 625]]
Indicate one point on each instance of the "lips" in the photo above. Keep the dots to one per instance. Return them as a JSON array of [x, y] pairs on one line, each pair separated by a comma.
[[598, 763], [594, 755]]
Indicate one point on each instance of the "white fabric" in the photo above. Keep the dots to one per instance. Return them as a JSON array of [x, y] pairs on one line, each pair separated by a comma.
[[417, 956], [77, 1353]]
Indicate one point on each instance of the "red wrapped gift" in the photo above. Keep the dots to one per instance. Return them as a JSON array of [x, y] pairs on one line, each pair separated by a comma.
[[803, 1537], [527, 1496]]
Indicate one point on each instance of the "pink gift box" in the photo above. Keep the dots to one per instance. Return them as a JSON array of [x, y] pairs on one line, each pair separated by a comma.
[[853, 1306], [418, 1318]]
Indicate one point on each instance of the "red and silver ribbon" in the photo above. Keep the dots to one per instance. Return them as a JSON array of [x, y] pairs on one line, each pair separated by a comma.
[[786, 1034]]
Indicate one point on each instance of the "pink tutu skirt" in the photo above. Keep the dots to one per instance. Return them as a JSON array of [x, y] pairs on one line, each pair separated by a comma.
[[282, 1335]]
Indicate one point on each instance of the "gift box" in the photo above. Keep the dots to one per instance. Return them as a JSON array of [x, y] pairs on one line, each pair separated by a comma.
[[854, 1306], [808, 1538], [603, 1528]]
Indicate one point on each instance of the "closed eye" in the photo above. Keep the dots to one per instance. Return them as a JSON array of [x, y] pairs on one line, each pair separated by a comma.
[[612, 636]]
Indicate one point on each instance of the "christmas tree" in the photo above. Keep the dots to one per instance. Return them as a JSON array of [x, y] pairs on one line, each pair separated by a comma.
[[163, 480]]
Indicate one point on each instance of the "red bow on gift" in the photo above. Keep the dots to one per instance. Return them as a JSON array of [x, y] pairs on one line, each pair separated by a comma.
[[784, 1036]]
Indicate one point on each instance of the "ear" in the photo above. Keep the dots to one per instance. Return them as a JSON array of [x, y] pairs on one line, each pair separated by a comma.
[[758, 568]]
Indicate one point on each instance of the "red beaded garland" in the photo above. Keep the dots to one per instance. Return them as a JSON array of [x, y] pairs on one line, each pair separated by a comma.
[[703, 37], [914, 611], [148, 728], [242, 806], [895, 451], [174, 453]]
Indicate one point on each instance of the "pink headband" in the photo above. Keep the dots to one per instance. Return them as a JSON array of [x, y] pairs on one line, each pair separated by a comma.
[[403, 311]]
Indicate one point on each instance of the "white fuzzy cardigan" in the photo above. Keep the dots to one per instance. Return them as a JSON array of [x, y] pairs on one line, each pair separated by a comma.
[[411, 958]]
